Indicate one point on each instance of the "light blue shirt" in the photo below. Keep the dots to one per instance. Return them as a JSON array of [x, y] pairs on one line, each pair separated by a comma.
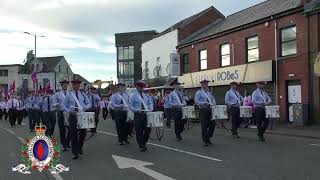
[[69, 104], [48, 101], [201, 98], [29, 102], [36, 103], [260, 98], [136, 104], [117, 102], [60, 96], [166, 102], [233, 98], [176, 99], [94, 100]]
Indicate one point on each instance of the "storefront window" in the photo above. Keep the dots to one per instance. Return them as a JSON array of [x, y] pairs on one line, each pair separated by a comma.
[[253, 49], [225, 54], [203, 60], [289, 41]]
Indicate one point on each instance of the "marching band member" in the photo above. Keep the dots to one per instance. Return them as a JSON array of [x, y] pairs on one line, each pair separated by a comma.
[[260, 99], [3, 106], [204, 100], [12, 105], [120, 103], [104, 108], [48, 104], [30, 101], [76, 101], [94, 98], [177, 101], [60, 97], [167, 107], [233, 100], [140, 103], [20, 110]]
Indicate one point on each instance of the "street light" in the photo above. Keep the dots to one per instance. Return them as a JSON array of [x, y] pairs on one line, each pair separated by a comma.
[[35, 48], [35, 42]]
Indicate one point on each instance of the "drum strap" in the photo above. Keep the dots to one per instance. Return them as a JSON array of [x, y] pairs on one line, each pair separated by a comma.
[[142, 101], [77, 101], [235, 94], [263, 97], [124, 101], [177, 96], [209, 99]]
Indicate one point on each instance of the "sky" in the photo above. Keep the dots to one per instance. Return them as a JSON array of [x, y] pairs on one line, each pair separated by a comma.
[[83, 30]]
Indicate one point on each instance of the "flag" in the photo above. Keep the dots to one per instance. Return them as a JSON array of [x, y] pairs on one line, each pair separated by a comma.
[[34, 76], [12, 87]]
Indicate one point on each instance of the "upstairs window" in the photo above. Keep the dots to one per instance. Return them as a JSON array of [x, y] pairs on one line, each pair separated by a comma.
[[289, 41], [225, 54], [253, 49], [203, 60]]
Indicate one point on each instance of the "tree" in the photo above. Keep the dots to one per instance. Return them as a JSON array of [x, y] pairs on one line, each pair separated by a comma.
[[27, 66]]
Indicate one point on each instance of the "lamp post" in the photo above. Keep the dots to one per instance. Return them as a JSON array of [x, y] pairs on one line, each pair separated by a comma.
[[35, 49]]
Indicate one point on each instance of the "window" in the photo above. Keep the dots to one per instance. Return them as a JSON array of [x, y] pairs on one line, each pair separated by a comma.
[[127, 81], [126, 68], [185, 63], [253, 49], [225, 54], [203, 59], [37, 67], [288, 41], [59, 68], [4, 73], [126, 52]]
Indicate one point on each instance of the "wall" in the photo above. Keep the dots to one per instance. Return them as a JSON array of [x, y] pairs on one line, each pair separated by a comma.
[[12, 75], [40, 77], [63, 74], [162, 47], [298, 64]]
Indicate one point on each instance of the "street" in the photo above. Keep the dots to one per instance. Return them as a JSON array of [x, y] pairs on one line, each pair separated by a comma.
[[280, 158]]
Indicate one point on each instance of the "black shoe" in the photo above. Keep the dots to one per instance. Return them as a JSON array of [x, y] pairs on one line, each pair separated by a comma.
[[209, 142], [127, 142], [206, 144], [179, 138], [261, 138], [236, 136], [65, 149], [75, 157], [143, 149], [121, 143], [81, 152]]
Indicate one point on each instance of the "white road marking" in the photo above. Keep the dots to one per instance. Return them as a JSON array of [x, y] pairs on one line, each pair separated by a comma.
[[173, 149], [314, 145], [56, 176], [124, 163]]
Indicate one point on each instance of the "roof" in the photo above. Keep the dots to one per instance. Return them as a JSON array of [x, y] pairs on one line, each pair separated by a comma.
[[188, 20], [137, 32], [10, 65], [312, 6], [252, 14], [78, 76], [49, 63]]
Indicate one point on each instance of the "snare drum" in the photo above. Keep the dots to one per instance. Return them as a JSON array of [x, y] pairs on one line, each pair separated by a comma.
[[155, 119], [130, 116], [272, 111], [188, 112], [246, 111], [219, 112], [85, 120]]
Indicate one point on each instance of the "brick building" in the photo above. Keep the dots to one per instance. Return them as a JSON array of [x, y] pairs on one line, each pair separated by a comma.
[[276, 41]]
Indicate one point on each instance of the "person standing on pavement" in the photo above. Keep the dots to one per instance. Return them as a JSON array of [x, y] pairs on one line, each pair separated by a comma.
[[140, 104], [3, 105], [48, 104], [233, 100], [177, 101], [94, 99], [12, 106], [60, 97], [260, 99], [20, 109], [204, 100], [120, 103], [76, 101]]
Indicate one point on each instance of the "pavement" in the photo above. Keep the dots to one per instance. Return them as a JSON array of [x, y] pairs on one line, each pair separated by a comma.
[[280, 158]]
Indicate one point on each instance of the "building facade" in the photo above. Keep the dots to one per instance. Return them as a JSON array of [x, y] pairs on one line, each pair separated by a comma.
[[8, 75], [270, 41], [158, 53], [129, 55]]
